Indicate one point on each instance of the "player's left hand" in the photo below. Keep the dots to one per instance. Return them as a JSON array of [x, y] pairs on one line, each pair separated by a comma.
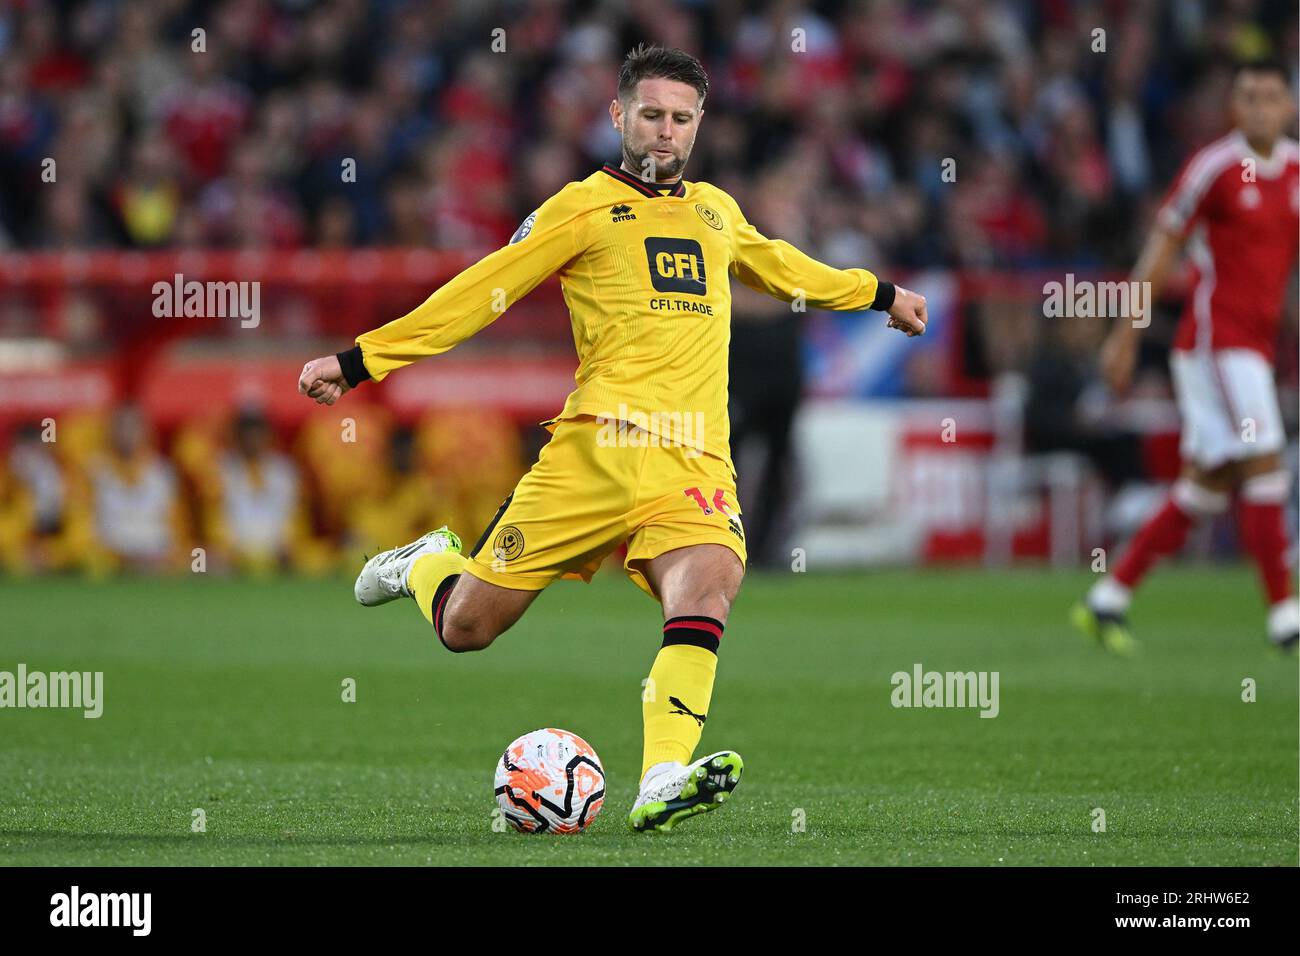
[[908, 314]]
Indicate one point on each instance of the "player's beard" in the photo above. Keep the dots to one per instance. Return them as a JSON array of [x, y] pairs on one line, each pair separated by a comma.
[[663, 169]]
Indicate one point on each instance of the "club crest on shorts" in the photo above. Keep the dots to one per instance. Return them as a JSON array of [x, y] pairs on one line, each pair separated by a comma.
[[508, 543]]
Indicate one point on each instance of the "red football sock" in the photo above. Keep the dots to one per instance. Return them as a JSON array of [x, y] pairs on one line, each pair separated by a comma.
[[1263, 534], [1163, 534], [1166, 532]]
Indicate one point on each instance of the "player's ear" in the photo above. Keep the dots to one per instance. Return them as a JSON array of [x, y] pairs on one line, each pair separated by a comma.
[[616, 114]]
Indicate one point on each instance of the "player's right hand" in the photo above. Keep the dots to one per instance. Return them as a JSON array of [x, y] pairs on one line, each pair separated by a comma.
[[1118, 360], [322, 379]]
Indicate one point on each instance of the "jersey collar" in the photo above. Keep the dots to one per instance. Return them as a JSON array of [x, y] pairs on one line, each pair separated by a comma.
[[623, 176], [1269, 168]]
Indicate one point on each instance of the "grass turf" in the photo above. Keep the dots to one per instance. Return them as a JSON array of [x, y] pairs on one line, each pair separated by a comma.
[[226, 695]]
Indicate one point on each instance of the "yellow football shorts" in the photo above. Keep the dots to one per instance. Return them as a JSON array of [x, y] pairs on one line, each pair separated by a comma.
[[586, 495]]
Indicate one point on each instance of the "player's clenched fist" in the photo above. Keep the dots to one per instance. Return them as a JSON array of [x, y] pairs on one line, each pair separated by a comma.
[[908, 312], [322, 379]]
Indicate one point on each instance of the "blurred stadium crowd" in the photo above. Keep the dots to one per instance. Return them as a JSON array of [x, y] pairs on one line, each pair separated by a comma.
[[102, 497], [1061, 137], [833, 123]]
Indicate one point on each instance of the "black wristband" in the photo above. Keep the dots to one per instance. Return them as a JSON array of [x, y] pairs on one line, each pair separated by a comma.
[[354, 369], [884, 296]]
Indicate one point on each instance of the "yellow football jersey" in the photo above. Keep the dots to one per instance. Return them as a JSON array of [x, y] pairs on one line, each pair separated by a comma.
[[645, 275]]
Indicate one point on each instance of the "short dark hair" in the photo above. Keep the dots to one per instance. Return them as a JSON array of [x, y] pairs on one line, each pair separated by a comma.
[[1265, 65], [660, 63]]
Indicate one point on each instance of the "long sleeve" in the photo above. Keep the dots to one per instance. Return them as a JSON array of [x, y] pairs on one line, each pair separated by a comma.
[[778, 269], [547, 240]]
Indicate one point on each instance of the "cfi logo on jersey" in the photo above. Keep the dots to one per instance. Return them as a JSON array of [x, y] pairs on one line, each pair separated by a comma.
[[524, 229], [676, 265], [621, 213], [709, 216]]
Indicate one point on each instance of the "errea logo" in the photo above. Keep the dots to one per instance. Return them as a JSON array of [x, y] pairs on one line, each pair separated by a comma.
[[621, 213], [102, 909]]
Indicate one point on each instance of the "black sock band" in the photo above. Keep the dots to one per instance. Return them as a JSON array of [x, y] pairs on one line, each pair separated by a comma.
[[702, 632], [439, 600]]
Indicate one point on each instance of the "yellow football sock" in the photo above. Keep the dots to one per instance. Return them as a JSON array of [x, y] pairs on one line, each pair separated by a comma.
[[676, 699], [427, 577]]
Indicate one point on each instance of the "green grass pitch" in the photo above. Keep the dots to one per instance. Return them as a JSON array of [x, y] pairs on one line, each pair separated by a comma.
[[226, 696]]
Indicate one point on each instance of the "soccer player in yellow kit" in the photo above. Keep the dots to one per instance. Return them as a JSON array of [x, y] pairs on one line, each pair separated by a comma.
[[640, 452]]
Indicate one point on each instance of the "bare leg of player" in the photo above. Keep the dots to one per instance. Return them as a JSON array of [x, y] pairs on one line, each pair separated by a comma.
[[700, 580], [467, 613], [477, 613], [697, 586]]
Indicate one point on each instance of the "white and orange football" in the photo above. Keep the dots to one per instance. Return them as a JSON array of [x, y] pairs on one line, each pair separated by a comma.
[[550, 781]]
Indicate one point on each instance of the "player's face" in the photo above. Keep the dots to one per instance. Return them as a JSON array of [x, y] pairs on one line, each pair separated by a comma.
[[658, 125], [1262, 106]]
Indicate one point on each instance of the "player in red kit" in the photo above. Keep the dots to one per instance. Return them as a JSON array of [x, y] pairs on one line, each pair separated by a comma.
[[1237, 205]]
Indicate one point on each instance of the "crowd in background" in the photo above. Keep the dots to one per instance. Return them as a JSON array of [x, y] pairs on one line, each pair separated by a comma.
[[1063, 120], [102, 492]]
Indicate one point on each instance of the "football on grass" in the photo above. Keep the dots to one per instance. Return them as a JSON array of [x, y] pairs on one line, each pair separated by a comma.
[[550, 781]]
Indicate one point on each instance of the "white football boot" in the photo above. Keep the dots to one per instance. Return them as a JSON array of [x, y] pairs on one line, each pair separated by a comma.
[[678, 791], [383, 578]]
